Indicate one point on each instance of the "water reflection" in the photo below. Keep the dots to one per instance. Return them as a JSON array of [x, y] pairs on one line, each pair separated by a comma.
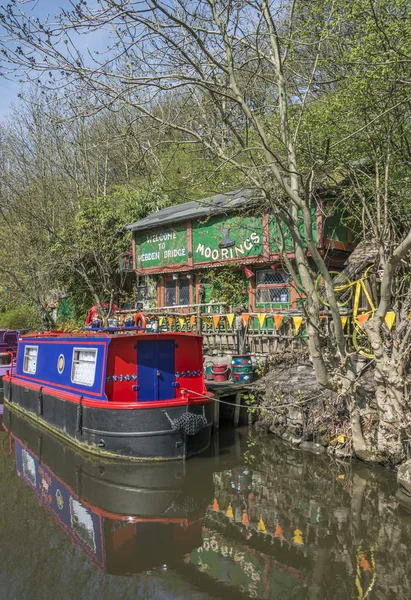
[[254, 519]]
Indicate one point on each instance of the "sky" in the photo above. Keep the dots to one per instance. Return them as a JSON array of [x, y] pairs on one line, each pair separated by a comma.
[[9, 90]]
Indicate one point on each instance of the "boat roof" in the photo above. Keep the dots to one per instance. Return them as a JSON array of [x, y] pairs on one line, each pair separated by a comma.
[[99, 333]]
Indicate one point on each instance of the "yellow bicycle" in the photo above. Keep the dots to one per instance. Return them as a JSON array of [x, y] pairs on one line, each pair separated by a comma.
[[344, 289]]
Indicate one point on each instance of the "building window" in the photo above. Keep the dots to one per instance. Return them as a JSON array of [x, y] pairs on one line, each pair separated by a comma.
[[273, 287], [84, 366], [177, 292], [30, 359]]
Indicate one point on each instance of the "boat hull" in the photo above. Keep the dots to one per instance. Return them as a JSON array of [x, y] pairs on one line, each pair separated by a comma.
[[134, 433]]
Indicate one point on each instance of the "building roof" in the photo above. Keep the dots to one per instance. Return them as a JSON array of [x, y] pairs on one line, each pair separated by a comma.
[[218, 204]]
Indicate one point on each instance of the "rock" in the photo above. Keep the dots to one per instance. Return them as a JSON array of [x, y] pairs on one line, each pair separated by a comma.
[[312, 447], [291, 439], [403, 498], [404, 475], [343, 453]]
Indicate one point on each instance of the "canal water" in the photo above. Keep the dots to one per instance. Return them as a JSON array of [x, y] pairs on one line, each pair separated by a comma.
[[252, 518]]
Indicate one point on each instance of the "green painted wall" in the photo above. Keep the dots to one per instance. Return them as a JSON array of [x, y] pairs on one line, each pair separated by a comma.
[[335, 227], [228, 237], [275, 238], [162, 247]]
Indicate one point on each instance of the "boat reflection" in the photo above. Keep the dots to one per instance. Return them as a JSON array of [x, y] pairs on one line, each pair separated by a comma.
[[126, 517]]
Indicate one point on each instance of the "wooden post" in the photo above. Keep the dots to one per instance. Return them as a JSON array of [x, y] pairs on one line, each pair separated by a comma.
[[237, 409], [216, 415]]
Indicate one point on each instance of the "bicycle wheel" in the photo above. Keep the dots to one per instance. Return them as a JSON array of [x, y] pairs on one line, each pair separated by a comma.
[[361, 342], [343, 288]]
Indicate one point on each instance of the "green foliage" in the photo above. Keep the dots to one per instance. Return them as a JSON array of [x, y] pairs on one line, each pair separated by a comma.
[[20, 317], [227, 285]]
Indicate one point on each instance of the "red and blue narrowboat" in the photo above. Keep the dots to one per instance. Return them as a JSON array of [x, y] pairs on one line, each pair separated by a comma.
[[118, 393]]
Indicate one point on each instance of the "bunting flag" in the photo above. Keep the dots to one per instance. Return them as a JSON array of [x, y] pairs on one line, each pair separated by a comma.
[[160, 321], [216, 320], [298, 537], [245, 520], [229, 512], [389, 319], [261, 318], [246, 318], [215, 505], [278, 319], [170, 321], [278, 532], [230, 319], [363, 318], [364, 564], [261, 525], [248, 273], [344, 322], [181, 321], [297, 323], [206, 320], [192, 320]]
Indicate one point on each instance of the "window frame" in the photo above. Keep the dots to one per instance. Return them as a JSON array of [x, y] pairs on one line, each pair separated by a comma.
[[73, 362], [191, 288], [30, 347], [270, 286]]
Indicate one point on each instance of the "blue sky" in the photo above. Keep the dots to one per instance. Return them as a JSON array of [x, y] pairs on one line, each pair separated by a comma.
[[42, 9]]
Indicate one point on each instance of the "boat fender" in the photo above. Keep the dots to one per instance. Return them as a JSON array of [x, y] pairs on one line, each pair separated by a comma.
[[40, 402], [140, 321], [79, 417], [188, 423]]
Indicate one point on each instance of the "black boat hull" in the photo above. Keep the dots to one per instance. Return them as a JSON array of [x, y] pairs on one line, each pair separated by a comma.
[[141, 434]]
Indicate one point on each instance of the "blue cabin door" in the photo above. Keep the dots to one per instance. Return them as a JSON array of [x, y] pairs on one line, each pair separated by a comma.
[[155, 370]]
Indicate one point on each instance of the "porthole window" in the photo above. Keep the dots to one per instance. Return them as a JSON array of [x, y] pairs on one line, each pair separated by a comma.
[[60, 363], [83, 369], [30, 359]]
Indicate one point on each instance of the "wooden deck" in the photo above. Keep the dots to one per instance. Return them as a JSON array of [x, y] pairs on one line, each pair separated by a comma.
[[227, 390]]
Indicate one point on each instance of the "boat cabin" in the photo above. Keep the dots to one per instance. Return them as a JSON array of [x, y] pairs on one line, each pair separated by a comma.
[[116, 368]]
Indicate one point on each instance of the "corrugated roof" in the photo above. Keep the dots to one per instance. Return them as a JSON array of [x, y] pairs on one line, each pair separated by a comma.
[[221, 203]]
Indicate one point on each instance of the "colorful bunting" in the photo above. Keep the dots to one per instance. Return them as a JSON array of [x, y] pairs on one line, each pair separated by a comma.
[[278, 319], [261, 525], [192, 320], [229, 512], [278, 532], [245, 520], [215, 505], [261, 318], [248, 273], [181, 321], [297, 323], [246, 318], [344, 322], [389, 319], [170, 321], [216, 320], [298, 537], [230, 319], [160, 321], [206, 320], [363, 318]]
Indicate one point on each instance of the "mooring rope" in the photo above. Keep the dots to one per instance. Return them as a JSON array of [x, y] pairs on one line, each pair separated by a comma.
[[250, 407]]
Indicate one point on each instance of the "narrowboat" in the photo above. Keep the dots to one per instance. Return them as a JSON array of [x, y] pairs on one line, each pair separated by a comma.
[[117, 393], [126, 517], [8, 351]]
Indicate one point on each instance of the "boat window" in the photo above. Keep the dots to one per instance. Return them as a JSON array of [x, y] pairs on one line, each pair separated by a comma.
[[30, 359], [84, 365], [4, 359]]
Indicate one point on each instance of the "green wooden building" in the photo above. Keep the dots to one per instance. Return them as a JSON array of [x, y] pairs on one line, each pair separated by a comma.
[[175, 248]]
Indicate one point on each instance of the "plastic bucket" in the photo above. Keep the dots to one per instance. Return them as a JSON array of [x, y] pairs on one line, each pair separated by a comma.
[[220, 372], [207, 371], [242, 368]]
